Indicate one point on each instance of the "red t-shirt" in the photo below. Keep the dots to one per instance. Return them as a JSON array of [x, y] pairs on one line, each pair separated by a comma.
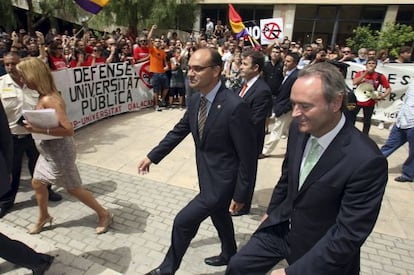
[[57, 63], [375, 81], [98, 60], [88, 49], [140, 52]]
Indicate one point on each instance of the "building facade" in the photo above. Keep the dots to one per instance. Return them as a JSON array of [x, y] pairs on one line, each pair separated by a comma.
[[304, 21]]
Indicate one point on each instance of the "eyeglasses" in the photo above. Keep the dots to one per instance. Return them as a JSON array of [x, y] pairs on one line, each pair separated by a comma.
[[199, 69]]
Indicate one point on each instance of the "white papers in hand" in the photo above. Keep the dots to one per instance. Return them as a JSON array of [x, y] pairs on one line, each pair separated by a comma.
[[43, 118]]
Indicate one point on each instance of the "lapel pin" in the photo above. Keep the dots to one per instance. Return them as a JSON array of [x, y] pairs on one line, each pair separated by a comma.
[[219, 106]]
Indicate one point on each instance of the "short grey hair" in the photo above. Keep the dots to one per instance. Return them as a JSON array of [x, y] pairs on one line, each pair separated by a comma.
[[333, 82]]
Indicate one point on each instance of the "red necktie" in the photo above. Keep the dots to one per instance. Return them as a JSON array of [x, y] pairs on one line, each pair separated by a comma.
[[243, 90]]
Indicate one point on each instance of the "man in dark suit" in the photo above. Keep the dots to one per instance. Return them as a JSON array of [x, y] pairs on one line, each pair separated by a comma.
[[256, 93], [281, 104], [220, 124], [329, 195], [273, 75], [11, 250]]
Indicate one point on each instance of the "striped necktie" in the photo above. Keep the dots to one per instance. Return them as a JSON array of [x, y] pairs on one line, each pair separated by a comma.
[[202, 115]]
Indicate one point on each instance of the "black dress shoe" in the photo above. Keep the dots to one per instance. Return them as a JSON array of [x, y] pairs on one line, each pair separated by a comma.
[[42, 268], [156, 271], [53, 196], [216, 261], [402, 179], [3, 211], [240, 213], [262, 156]]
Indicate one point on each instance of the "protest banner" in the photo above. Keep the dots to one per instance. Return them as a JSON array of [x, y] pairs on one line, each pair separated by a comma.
[[398, 75], [96, 92]]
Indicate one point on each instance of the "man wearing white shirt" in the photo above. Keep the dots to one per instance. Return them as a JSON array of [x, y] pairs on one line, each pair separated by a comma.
[[401, 133], [16, 97]]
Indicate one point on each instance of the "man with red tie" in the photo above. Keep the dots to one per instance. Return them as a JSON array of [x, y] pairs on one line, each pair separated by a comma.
[[257, 94]]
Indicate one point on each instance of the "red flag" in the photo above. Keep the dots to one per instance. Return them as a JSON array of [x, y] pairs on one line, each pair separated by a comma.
[[236, 22]]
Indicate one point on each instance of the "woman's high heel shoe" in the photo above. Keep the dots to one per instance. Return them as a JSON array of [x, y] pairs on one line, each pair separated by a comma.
[[39, 226], [106, 223]]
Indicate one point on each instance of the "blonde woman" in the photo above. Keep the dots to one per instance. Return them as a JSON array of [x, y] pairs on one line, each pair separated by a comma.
[[56, 163]]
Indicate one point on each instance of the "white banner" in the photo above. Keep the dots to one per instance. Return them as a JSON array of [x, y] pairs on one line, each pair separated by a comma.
[[398, 75], [96, 92]]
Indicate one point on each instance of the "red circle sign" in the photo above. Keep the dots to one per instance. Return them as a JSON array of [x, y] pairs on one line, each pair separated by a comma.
[[144, 75], [271, 31]]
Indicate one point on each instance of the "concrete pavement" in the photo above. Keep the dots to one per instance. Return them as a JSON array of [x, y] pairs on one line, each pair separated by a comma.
[[145, 206]]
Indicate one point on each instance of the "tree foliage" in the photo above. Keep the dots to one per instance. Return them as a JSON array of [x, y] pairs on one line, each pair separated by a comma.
[[133, 14], [7, 13], [141, 14], [391, 37], [363, 37], [394, 36]]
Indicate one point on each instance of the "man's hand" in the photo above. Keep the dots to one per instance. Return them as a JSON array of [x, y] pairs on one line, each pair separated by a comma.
[[235, 206], [143, 166], [40, 37], [278, 272], [265, 216]]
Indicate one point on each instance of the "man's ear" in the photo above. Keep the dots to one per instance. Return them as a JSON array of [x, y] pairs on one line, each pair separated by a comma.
[[336, 103], [256, 68], [217, 70]]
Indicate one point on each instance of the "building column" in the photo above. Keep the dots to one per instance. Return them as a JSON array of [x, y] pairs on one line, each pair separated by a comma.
[[197, 21], [287, 12], [390, 15]]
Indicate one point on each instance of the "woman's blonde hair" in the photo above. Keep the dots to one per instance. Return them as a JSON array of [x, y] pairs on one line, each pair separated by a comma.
[[37, 74]]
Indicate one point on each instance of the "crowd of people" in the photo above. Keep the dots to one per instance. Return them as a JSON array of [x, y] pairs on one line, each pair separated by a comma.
[[230, 90]]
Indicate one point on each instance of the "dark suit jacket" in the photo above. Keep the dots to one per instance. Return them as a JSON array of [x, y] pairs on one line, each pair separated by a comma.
[[6, 152], [259, 99], [281, 104], [336, 208], [225, 160]]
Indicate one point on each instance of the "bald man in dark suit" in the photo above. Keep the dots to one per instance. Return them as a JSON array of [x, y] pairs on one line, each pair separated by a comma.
[[219, 122]]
